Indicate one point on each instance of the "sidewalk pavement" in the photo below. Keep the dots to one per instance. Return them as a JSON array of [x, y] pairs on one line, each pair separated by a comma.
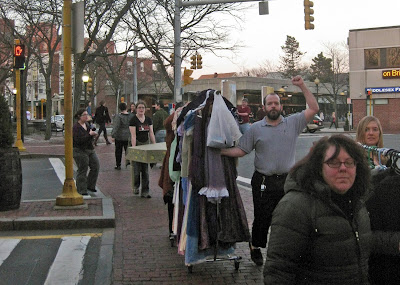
[[142, 252]]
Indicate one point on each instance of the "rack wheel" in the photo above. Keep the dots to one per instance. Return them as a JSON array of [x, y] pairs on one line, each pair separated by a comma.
[[190, 268], [237, 264]]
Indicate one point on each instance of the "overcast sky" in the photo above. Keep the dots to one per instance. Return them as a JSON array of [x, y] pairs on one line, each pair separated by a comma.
[[265, 34]]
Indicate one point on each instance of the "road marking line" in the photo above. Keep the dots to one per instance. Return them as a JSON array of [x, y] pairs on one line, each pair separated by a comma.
[[6, 247], [58, 168], [67, 266], [50, 236], [243, 179]]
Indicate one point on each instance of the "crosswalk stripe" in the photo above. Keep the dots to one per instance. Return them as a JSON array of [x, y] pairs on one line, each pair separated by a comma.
[[67, 266], [6, 247], [51, 236], [58, 168], [243, 179]]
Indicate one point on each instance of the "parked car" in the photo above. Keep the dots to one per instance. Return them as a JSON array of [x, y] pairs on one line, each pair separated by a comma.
[[315, 124], [59, 121]]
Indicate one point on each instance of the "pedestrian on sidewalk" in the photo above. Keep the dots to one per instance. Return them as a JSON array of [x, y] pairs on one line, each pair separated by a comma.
[[333, 120], [120, 133], [244, 112], [141, 129], [274, 141], [132, 109], [84, 154], [320, 230], [102, 118], [158, 122]]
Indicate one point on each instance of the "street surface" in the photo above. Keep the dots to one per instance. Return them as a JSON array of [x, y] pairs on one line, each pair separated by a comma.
[[142, 253], [49, 257]]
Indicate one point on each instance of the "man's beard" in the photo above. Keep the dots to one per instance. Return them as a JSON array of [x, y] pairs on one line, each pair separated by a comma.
[[274, 114]]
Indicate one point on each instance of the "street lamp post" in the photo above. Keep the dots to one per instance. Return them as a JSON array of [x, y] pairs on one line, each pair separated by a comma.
[[316, 81], [85, 79]]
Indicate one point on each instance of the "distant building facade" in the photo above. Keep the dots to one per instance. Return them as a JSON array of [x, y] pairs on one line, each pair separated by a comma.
[[374, 56]]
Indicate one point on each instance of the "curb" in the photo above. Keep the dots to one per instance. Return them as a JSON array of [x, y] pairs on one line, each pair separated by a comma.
[[107, 220]]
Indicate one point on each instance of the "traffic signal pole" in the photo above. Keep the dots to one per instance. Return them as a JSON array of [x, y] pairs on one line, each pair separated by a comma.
[[177, 53], [18, 142], [69, 196]]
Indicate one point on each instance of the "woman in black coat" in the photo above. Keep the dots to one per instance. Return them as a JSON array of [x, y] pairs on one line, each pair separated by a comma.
[[320, 231]]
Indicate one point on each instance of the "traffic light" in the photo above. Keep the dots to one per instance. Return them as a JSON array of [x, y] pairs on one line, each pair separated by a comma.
[[186, 76], [19, 56], [199, 62], [308, 12], [172, 59], [193, 62], [89, 86]]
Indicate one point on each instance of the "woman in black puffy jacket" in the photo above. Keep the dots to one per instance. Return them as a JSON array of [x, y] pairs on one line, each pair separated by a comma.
[[320, 231]]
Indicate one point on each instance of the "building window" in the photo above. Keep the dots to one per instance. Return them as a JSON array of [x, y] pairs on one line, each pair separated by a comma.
[[129, 67], [393, 57], [372, 58], [142, 66]]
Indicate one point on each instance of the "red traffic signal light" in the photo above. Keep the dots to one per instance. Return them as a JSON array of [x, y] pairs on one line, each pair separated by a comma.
[[19, 56]]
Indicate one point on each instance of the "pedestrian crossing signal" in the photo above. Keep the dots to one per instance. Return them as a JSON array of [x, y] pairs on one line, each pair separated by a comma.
[[19, 56]]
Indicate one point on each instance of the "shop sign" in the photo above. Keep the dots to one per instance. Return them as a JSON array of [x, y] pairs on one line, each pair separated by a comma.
[[393, 73], [376, 90]]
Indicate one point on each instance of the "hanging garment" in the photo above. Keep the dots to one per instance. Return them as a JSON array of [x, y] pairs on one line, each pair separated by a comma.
[[222, 130], [384, 211]]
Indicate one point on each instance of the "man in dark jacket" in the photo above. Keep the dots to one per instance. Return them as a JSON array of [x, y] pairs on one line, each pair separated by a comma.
[[158, 122], [102, 118]]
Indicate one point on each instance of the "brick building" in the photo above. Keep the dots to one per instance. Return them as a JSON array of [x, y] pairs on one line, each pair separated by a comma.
[[375, 65]]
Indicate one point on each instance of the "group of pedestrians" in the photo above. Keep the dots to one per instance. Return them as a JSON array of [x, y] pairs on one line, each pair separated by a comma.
[[315, 210], [311, 216], [130, 128]]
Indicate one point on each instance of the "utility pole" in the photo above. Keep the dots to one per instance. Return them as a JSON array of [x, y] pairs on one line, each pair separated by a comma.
[[69, 196], [134, 98]]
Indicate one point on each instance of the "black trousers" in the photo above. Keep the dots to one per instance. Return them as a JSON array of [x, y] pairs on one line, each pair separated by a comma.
[[264, 202], [102, 128], [119, 145]]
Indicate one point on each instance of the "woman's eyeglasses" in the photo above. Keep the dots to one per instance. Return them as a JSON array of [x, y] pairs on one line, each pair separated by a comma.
[[336, 163]]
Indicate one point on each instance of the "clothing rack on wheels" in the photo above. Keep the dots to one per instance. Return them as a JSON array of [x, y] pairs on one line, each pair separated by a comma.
[[209, 216], [391, 153], [236, 259]]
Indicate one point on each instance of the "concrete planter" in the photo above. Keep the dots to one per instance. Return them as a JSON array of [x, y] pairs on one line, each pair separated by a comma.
[[11, 179]]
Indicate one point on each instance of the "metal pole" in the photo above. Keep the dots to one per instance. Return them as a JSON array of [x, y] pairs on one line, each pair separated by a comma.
[[177, 53], [134, 98], [85, 93], [17, 112], [69, 196]]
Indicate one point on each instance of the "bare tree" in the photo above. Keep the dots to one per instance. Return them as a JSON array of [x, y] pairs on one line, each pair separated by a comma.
[[338, 78], [263, 70], [201, 30], [38, 27]]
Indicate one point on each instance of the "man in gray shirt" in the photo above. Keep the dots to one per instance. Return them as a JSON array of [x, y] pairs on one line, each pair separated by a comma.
[[274, 141]]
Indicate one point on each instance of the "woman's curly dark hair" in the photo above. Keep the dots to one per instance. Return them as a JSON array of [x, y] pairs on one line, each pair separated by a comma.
[[309, 170]]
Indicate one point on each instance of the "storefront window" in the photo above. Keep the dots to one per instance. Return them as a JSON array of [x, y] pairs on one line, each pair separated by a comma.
[[372, 58], [393, 57]]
